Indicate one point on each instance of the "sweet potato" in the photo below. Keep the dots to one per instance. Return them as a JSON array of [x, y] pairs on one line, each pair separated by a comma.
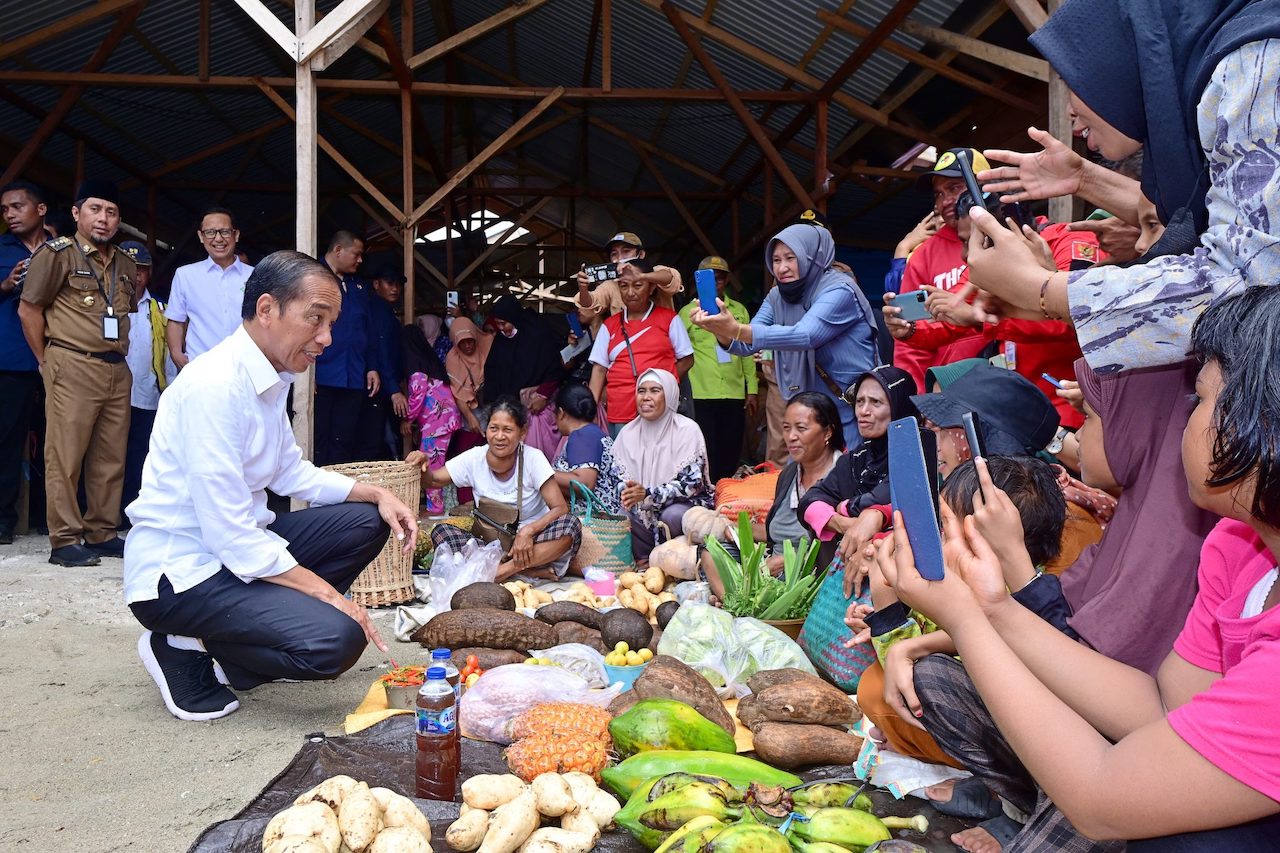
[[668, 678], [330, 792], [489, 658], [313, 820], [490, 790], [551, 839], [359, 818], [569, 611], [575, 632], [511, 824], [486, 627], [789, 745], [466, 833], [555, 798], [748, 713], [399, 810], [811, 702], [766, 678], [482, 594], [399, 839]]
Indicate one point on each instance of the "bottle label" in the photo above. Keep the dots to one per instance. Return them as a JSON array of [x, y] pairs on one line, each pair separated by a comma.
[[432, 722]]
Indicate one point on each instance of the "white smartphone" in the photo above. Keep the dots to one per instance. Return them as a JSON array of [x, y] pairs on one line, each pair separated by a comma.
[[451, 299]]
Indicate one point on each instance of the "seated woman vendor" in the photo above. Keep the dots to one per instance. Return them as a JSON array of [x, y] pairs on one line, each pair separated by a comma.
[[841, 503], [815, 440], [581, 458], [514, 484], [660, 460]]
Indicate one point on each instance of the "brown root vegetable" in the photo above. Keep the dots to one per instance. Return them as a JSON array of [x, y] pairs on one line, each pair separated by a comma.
[[748, 714], [625, 625], [623, 702], [811, 702], [576, 632], [359, 818], [313, 820], [789, 745], [399, 839], [330, 792], [399, 810], [482, 594], [485, 627], [466, 833], [569, 611], [511, 824], [489, 658], [489, 791], [668, 678], [766, 678], [666, 611]]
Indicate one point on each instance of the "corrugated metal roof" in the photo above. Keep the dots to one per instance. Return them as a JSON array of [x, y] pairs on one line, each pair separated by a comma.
[[157, 127]]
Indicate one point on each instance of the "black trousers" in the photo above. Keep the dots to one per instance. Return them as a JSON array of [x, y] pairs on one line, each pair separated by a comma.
[[260, 631], [337, 424], [18, 390], [723, 423], [374, 432], [141, 422]]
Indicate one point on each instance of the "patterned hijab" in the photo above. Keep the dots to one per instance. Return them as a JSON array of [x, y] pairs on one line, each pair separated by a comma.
[[654, 452]]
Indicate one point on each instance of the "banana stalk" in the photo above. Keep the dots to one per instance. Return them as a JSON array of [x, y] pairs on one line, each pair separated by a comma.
[[918, 823]]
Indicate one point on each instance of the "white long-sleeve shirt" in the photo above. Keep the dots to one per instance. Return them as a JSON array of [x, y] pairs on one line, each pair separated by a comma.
[[221, 439]]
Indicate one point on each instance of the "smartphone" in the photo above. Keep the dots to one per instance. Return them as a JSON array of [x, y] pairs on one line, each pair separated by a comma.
[[575, 325], [601, 272], [912, 305], [1056, 383], [451, 299], [706, 284], [970, 181], [977, 448], [913, 489]]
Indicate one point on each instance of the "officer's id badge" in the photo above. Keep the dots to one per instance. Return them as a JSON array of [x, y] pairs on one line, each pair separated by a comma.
[[110, 327]]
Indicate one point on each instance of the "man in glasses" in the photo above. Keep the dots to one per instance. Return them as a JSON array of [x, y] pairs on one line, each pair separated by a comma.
[[204, 301]]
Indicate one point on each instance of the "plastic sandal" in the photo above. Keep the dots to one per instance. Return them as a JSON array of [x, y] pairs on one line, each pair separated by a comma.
[[970, 798]]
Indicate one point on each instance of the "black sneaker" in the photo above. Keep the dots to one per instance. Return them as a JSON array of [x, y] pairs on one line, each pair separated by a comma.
[[73, 556], [185, 679], [113, 547]]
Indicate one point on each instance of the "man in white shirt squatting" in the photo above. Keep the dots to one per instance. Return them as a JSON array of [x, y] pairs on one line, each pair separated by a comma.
[[231, 595]]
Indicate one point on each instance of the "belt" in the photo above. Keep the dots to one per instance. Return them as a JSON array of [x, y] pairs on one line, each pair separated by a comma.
[[110, 357]]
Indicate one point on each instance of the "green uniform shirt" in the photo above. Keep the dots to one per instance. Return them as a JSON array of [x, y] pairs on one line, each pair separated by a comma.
[[711, 377]]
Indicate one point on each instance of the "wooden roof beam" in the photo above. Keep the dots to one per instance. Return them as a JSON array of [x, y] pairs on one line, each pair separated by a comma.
[[676, 17], [1028, 66], [271, 25], [675, 200], [497, 244], [337, 31], [470, 34], [404, 76], [21, 44], [1029, 12]]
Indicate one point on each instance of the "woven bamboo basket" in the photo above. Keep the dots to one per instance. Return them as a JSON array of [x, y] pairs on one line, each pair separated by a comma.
[[389, 578]]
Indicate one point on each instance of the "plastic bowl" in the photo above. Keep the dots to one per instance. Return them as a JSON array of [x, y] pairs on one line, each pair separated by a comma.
[[625, 674]]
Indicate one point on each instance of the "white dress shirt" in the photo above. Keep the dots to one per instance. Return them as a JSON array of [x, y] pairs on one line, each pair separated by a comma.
[[145, 392], [208, 299], [221, 439]]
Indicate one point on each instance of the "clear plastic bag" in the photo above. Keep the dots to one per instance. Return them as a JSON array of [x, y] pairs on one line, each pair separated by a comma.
[[502, 694], [451, 571], [579, 659], [728, 650]]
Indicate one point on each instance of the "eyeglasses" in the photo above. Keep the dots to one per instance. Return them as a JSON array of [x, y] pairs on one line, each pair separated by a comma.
[[224, 233]]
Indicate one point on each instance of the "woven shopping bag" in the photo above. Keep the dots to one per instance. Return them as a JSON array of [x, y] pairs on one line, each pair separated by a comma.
[[752, 494], [605, 537], [824, 632]]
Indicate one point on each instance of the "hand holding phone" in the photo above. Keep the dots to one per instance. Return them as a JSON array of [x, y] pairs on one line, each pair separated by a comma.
[[913, 305], [977, 448], [575, 325], [913, 489], [1056, 383], [705, 280]]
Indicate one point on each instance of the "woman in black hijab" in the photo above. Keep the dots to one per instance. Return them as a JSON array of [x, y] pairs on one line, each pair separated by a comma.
[[859, 480], [524, 361], [1193, 83]]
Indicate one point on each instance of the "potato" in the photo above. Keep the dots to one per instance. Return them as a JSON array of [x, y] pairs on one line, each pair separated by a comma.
[[330, 792], [625, 597], [581, 786], [582, 823], [309, 820], [466, 833], [630, 579], [511, 824], [399, 839], [296, 844], [488, 791], [359, 818], [654, 579], [665, 597], [401, 811], [552, 840], [553, 794], [602, 807]]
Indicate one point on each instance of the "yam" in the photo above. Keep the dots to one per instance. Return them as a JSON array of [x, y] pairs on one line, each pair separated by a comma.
[[490, 790], [296, 844], [399, 810], [623, 702], [790, 745], [766, 678], [748, 714], [668, 678], [483, 594], [309, 820], [466, 833], [625, 626], [489, 658], [574, 632], [811, 702], [551, 839], [511, 824], [399, 839], [485, 627], [359, 818], [666, 612], [330, 792], [569, 611], [554, 796]]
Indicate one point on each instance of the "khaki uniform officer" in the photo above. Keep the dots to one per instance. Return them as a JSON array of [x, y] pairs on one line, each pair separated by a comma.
[[75, 314]]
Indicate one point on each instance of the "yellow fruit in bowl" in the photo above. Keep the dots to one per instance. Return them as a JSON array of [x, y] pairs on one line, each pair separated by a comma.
[[533, 661], [634, 659], [646, 655], [622, 648]]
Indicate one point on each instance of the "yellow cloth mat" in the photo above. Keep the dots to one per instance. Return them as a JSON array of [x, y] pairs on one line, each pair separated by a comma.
[[372, 710]]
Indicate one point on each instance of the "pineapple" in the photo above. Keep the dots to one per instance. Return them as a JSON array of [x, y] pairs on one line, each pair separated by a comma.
[[563, 719], [557, 753]]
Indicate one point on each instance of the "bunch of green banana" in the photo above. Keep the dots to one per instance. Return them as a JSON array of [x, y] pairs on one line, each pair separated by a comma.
[[675, 781], [747, 837], [692, 836], [831, 795], [849, 828], [651, 821]]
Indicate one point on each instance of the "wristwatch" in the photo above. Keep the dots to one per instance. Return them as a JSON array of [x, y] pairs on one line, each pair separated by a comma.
[[1055, 447]]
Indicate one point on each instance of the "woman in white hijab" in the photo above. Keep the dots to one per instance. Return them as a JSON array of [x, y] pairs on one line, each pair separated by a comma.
[[661, 460]]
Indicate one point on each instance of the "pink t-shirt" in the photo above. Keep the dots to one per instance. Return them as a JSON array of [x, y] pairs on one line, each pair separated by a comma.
[[1233, 723]]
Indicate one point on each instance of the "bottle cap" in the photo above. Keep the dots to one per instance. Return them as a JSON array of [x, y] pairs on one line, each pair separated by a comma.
[[441, 654], [436, 672]]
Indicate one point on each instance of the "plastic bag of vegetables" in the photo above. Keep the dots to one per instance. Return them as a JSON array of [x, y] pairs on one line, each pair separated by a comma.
[[579, 659], [727, 650], [503, 693]]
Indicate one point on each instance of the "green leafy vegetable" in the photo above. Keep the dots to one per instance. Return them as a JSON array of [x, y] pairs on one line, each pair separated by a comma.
[[751, 590]]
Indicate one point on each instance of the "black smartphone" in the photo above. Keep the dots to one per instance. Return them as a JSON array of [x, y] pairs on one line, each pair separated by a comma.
[[970, 180], [597, 273], [973, 434], [913, 489]]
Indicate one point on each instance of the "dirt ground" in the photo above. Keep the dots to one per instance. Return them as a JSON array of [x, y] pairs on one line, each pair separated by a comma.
[[90, 760]]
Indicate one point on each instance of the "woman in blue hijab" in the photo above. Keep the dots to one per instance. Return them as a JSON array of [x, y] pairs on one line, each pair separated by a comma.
[[817, 322]]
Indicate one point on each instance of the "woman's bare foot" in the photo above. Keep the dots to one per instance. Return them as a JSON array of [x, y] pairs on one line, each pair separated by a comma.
[[976, 840]]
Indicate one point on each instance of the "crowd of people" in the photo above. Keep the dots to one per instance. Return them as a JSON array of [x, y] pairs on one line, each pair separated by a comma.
[[1100, 652]]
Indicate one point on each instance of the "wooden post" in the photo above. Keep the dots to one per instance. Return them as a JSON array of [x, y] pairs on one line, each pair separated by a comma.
[[820, 157], [606, 45], [1061, 208], [304, 387]]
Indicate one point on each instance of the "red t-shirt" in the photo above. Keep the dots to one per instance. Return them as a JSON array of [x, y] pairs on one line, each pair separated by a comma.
[[651, 347], [936, 262]]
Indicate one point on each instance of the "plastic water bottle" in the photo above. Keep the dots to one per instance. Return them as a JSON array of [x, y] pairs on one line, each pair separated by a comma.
[[444, 658], [436, 769]]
